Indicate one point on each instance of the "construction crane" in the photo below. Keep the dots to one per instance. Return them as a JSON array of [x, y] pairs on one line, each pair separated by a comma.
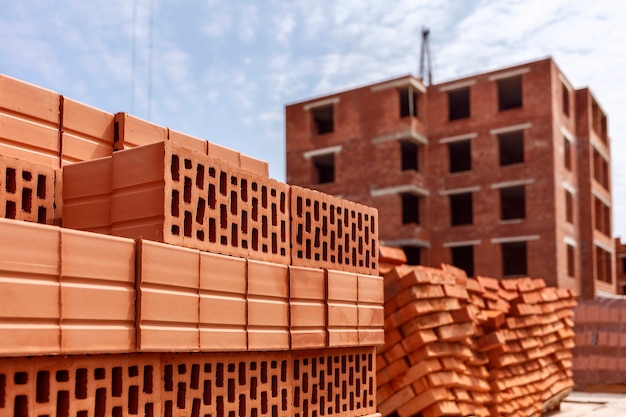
[[425, 56]]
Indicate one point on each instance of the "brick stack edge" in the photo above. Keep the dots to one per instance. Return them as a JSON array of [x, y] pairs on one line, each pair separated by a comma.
[[471, 347], [599, 358], [167, 275]]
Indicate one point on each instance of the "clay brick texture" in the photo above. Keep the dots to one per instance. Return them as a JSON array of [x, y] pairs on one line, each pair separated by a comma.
[[456, 355], [464, 172], [303, 383]]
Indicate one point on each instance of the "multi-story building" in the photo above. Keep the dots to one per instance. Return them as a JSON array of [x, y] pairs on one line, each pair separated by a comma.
[[620, 258], [505, 173]]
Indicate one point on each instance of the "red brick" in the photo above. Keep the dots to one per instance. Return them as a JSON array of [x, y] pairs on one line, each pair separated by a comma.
[[133, 131]]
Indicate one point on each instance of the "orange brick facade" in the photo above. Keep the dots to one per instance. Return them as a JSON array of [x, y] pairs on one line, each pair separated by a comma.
[[505, 173]]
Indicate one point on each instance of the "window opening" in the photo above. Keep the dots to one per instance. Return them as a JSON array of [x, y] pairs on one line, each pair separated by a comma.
[[409, 152], [324, 168], [410, 208], [413, 255], [569, 207], [513, 202], [460, 155], [463, 258], [514, 259], [511, 147], [570, 261], [459, 104], [565, 99], [603, 265], [461, 209], [510, 93], [323, 119], [408, 102]]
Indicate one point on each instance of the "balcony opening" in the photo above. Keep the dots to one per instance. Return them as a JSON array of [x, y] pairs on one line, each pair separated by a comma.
[[510, 93], [324, 168], [459, 104], [323, 120], [571, 267], [624, 265], [408, 102], [409, 151], [603, 265], [567, 154], [569, 207], [413, 254], [460, 155], [602, 214], [463, 258], [514, 262], [410, 208], [565, 99], [461, 209], [513, 203], [600, 169], [511, 147]]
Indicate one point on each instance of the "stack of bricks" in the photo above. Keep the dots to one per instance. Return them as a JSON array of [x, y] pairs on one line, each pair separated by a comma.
[[480, 347], [599, 357], [139, 245]]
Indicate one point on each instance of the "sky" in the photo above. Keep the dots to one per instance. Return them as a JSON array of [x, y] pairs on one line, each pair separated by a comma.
[[223, 70]]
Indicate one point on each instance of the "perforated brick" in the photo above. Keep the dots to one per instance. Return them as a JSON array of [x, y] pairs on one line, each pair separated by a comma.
[[303, 384], [333, 233], [27, 190]]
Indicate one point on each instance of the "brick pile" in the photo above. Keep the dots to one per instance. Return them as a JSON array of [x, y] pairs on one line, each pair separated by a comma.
[[148, 272], [481, 347]]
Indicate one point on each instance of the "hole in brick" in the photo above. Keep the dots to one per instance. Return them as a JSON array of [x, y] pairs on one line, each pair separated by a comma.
[[264, 228], [116, 382], [212, 172], [41, 187], [212, 196], [274, 215], [100, 406], [187, 224], [255, 239], [10, 211], [307, 222], [169, 405], [372, 224], [20, 378], [307, 202], [244, 190], [63, 404], [283, 199], [316, 240], [231, 390], [223, 216], [219, 406], [283, 231], [187, 190], [233, 202], [231, 367], [242, 405], [147, 379], [27, 176], [195, 376], [242, 373], [188, 164], [264, 197], [219, 375], [27, 199], [168, 378], [175, 168], [299, 235], [305, 382], [255, 209], [353, 232], [264, 372], [274, 411], [263, 402], [212, 231], [62, 376], [244, 221], [200, 176], [20, 406], [99, 373], [253, 388], [305, 408], [206, 392], [274, 243], [175, 230], [181, 396], [223, 183], [283, 400], [149, 410], [43, 387], [307, 249], [175, 203], [233, 180], [41, 215], [81, 383], [299, 206], [133, 399], [200, 211], [274, 386], [11, 181], [195, 408]]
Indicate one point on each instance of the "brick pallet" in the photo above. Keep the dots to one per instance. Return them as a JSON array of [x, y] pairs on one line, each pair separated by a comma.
[[483, 347], [195, 285]]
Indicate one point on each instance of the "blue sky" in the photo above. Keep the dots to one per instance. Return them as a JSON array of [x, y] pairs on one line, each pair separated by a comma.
[[222, 70]]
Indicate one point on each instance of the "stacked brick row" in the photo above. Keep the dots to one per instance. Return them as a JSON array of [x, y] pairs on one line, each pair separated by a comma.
[[171, 245], [480, 347], [600, 353]]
